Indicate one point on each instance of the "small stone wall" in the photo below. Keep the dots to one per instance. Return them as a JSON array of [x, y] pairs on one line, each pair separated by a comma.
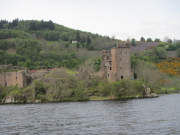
[[9, 66]]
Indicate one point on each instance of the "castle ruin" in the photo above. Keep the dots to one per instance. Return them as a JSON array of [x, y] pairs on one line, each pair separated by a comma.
[[21, 78], [115, 63], [13, 78]]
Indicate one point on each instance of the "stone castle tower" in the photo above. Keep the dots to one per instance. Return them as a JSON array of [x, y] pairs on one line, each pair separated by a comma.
[[116, 64]]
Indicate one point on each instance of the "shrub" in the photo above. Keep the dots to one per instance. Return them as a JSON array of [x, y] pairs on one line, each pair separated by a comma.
[[177, 45], [135, 75], [66, 45], [161, 52], [178, 52], [166, 47], [77, 45], [80, 94], [90, 47], [38, 87], [161, 45], [171, 47]]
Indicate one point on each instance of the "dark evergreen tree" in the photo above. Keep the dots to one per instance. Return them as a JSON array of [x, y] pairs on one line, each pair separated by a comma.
[[135, 75], [88, 40], [142, 39], [78, 38], [50, 25], [1, 23], [15, 22], [10, 26]]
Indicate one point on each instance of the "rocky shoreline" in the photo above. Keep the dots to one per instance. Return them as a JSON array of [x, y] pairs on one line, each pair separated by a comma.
[[11, 100]]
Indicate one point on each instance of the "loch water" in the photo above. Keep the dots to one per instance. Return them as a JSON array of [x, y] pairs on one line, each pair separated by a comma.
[[132, 116]]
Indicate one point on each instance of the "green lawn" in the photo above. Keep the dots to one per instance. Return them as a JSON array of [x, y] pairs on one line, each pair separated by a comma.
[[169, 90], [72, 44], [50, 42], [69, 71]]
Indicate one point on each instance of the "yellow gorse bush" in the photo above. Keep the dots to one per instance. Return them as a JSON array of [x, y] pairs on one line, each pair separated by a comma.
[[170, 66]]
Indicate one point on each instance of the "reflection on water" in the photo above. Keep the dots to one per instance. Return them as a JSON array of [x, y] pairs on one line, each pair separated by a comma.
[[135, 116]]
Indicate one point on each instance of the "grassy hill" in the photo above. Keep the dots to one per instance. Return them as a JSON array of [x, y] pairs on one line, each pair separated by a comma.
[[34, 44]]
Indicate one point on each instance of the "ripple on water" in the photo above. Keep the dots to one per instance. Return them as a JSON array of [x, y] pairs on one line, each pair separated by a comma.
[[135, 116]]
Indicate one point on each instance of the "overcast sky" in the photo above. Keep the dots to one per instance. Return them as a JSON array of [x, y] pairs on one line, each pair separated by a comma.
[[121, 18]]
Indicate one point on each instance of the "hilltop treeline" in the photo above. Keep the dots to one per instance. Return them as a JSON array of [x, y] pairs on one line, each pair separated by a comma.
[[53, 32]]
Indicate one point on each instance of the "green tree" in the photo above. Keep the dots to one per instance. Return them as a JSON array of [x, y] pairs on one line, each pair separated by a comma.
[[161, 45], [149, 40], [19, 50], [39, 88], [142, 39], [90, 47], [77, 45], [66, 45], [157, 40], [83, 39], [133, 61], [133, 42], [64, 36], [88, 40], [78, 38], [80, 93], [135, 75], [171, 47], [177, 45], [161, 52], [169, 41], [166, 47], [178, 52], [4, 44]]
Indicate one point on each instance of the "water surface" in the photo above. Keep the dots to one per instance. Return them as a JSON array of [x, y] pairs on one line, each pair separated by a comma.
[[134, 116]]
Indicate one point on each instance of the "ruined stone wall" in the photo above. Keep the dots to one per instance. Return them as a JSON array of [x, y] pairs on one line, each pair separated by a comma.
[[9, 66], [2, 79], [13, 78], [118, 66], [114, 57], [106, 57], [105, 61], [103, 72], [111, 76], [6, 66], [22, 82], [123, 63]]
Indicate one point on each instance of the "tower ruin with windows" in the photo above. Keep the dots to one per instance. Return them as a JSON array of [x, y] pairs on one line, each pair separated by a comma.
[[115, 63]]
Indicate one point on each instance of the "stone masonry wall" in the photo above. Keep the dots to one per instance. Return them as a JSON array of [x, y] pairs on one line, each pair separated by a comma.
[[106, 57], [2, 79], [123, 63], [116, 64], [13, 78]]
